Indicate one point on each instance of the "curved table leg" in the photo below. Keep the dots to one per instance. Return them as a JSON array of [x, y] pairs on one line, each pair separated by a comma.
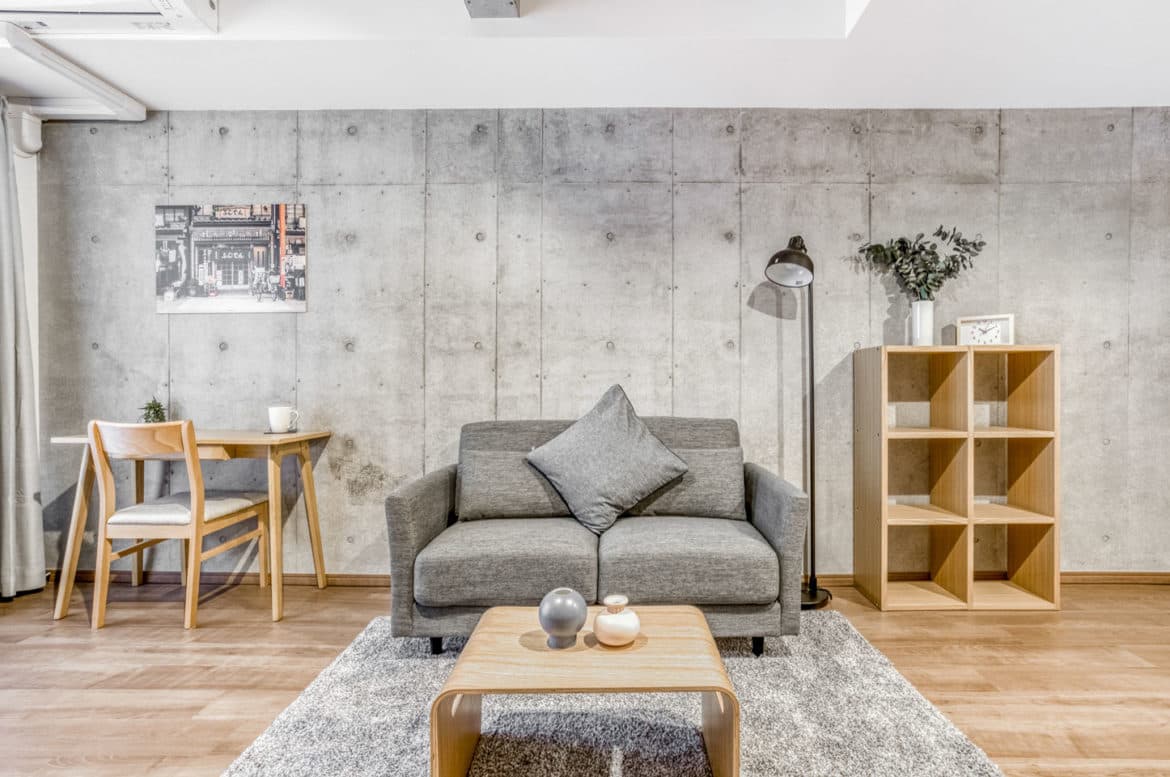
[[721, 732], [455, 721]]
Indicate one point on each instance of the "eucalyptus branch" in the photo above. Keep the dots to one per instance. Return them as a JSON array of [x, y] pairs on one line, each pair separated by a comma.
[[923, 265]]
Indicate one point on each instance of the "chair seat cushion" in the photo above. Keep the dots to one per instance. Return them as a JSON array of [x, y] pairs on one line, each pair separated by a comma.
[[672, 559], [175, 510], [505, 561]]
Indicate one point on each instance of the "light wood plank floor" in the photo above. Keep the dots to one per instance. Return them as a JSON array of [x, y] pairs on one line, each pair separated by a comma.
[[1082, 692]]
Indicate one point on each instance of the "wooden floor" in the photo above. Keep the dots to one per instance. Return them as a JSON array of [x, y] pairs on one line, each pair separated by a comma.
[[1082, 692]]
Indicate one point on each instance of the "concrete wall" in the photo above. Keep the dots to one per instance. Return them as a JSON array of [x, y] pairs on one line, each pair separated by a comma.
[[467, 265]]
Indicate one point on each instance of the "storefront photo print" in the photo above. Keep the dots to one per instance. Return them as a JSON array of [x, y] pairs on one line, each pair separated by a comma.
[[230, 258]]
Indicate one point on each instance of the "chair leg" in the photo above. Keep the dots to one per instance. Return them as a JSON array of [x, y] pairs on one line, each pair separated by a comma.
[[262, 548], [183, 562], [192, 604], [436, 646], [136, 569], [757, 646], [101, 586]]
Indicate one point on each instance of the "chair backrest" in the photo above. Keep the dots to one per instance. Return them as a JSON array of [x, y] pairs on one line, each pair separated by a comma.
[[167, 441]]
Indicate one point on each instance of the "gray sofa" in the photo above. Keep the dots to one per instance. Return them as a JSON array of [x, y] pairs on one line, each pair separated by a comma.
[[451, 557]]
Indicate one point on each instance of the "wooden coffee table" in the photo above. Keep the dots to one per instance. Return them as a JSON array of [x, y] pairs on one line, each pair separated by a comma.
[[507, 654]]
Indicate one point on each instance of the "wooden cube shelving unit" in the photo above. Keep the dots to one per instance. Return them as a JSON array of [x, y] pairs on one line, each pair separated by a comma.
[[948, 439]]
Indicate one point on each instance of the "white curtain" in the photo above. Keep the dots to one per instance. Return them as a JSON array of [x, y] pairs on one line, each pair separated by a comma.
[[22, 546]]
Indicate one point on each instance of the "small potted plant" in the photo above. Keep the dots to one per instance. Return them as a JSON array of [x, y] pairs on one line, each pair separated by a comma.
[[153, 412], [922, 265]]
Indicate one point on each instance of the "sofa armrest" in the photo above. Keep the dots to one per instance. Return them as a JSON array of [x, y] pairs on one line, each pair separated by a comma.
[[416, 513], [779, 510]]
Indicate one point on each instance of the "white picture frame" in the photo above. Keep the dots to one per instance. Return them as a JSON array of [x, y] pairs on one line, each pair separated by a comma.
[[990, 329]]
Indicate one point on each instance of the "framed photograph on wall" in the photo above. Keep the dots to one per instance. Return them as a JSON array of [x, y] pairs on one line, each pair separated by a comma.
[[231, 258]]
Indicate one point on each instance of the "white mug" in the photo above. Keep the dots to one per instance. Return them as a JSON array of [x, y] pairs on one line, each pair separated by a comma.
[[282, 418]]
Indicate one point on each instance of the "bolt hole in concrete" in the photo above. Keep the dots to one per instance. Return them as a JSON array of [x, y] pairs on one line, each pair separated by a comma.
[[729, 236], [480, 236], [730, 129], [93, 346], [609, 345], [1107, 345], [223, 131], [95, 239], [979, 130], [93, 130], [1108, 235], [350, 238], [223, 346], [481, 128], [1109, 128], [609, 236], [478, 345], [349, 346], [856, 130], [609, 129], [351, 130], [730, 345]]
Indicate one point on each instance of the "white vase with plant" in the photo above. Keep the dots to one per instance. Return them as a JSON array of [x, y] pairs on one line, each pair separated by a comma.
[[922, 265]]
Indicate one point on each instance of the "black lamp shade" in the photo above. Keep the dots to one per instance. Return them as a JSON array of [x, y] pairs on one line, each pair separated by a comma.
[[790, 267]]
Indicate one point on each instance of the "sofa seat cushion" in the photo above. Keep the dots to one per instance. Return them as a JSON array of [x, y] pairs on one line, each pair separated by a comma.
[[673, 559], [511, 561]]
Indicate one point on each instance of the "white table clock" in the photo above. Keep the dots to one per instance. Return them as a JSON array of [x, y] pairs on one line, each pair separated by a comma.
[[987, 330]]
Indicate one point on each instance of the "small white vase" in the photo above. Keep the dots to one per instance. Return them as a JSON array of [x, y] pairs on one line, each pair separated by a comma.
[[618, 625], [922, 322]]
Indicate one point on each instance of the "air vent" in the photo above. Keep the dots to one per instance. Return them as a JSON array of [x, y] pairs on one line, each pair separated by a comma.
[[115, 18]]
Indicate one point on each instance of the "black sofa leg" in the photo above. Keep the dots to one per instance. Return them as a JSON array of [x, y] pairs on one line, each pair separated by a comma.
[[757, 646], [436, 646]]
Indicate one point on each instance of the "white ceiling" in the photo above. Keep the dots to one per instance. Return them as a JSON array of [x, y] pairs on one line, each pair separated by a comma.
[[316, 54]]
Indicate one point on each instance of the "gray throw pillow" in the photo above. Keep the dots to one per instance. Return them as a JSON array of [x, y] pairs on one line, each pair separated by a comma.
[[606, 462]]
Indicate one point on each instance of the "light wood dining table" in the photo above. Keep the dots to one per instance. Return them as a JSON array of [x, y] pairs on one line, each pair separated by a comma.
[[214, 445]]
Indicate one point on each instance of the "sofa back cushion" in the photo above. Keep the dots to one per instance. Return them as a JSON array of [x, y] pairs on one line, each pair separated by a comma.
[[711, 487], [495, 481]]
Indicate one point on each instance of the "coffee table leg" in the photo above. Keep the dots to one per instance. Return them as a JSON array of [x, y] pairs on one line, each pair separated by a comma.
[[455, 721], [721, 732]]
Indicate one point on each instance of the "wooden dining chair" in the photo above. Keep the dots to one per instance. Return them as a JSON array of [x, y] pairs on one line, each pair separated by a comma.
[[187, 515]]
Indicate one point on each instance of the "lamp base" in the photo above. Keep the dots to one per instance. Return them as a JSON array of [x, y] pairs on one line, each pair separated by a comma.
[[814, 600]]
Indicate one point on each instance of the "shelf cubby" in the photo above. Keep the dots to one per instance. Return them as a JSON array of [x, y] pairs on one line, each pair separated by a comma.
[[927, 393], [927, 481], [1014, 392], [1027, 582], [955, 445], [1016, 481], [942, 578]]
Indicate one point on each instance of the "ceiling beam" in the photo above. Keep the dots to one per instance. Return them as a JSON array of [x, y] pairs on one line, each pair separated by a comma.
[[492, 9]]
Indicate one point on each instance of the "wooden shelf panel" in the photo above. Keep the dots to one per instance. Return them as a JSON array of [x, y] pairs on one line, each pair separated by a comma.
[[920, 595], [1010, 432], [1006, 595], [925, 349], [1013, 348], [924, 433], [922, 515], [997, 513]]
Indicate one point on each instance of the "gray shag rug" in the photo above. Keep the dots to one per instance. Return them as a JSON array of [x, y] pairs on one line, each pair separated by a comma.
[[824, 703]]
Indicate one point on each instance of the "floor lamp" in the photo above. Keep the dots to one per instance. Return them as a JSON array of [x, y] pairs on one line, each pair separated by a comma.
[[793, 269]]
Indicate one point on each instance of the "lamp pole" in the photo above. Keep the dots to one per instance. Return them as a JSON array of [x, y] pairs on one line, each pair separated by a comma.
[[792, 268]]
